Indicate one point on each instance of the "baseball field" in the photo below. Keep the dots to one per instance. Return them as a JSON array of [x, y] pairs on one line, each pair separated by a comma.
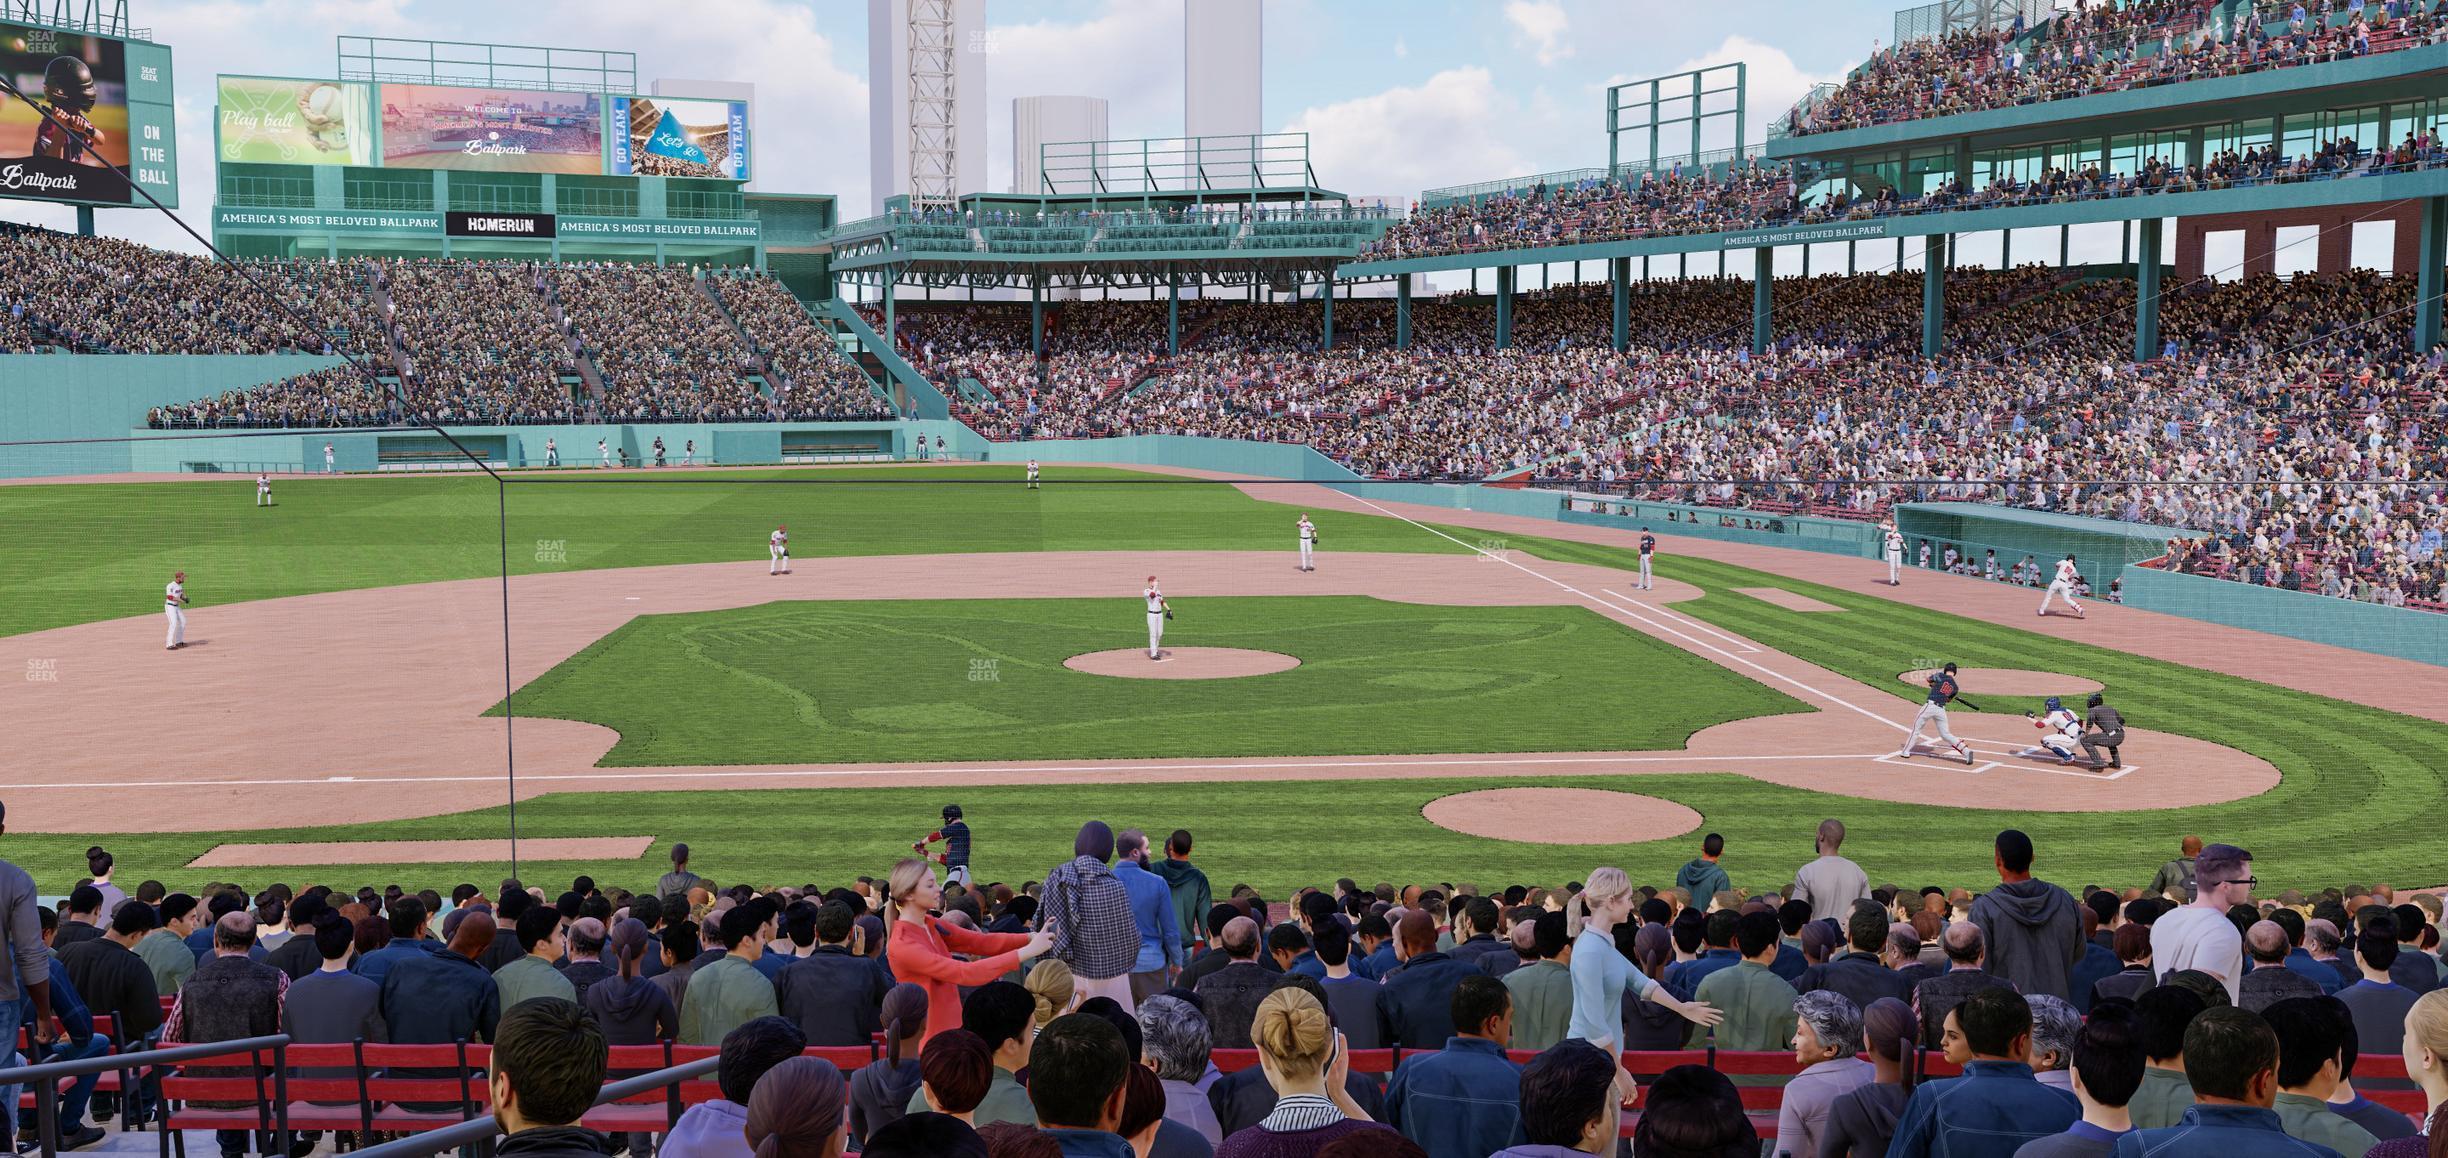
[[348, 685]]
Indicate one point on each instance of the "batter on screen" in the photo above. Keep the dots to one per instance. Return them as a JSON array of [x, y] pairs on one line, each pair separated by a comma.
[[1942, 691]]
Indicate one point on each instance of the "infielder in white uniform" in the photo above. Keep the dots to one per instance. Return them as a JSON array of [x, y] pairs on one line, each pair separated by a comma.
[[2063, 587], [1648, 547], [1157, 613], [1895, 554], [1942, 690], [1032, 475], [777, 552], [2060, 730], [1308, 543], [174, 605], [263, 490]]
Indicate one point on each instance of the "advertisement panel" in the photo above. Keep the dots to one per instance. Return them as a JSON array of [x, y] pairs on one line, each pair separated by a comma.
[[495, 130], [276, 121], [152, 121], [467, 223], [656, 136], [82, 81]]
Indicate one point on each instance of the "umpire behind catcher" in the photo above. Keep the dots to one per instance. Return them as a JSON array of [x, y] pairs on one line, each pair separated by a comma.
[[2103, 728]]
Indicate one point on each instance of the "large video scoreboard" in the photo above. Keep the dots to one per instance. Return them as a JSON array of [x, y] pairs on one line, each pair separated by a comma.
[[112, 99]]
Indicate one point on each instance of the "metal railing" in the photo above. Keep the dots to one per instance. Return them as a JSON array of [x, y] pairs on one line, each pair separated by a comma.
[[1632, 171], [477, 1131], [43, 1077]]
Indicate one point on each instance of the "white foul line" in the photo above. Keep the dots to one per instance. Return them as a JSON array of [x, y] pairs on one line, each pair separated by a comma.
[[1694, 641], [1688, 621]]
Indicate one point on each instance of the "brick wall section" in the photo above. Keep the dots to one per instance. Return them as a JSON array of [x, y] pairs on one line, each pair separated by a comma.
[[2335, 244]]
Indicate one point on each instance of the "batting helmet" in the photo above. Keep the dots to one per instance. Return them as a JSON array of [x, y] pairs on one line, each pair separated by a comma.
[[952, 812], [69, 84]]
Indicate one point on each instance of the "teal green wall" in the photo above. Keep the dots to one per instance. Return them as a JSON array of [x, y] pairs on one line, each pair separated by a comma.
[[2101, 546], [47, 397], [2421, 636]]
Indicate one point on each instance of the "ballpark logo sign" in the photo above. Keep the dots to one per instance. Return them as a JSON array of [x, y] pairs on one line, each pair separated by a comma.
[[984, 671], [552, 551], [42, 671]]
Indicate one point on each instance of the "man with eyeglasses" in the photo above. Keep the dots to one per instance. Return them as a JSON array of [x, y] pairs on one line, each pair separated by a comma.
[[2199, 935]]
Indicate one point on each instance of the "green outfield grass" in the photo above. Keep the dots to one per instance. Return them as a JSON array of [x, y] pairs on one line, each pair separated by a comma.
[[80, 553], [2359, 782], [900, 681]]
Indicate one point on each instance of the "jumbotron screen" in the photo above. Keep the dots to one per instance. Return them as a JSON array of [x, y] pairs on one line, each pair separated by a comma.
[[654, 136], [110, 104], [498, 130]]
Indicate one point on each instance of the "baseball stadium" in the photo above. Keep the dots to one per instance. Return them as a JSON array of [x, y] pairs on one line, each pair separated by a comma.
[[633, 646]]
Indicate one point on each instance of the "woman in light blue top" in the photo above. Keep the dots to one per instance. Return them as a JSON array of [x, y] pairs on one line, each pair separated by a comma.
[[1601, 973]]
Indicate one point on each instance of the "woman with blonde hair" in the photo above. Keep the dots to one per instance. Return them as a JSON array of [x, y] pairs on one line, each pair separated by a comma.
[[2426, 1061], [1056, 990], [1304, 1058], [922, 945], [1601, 973]]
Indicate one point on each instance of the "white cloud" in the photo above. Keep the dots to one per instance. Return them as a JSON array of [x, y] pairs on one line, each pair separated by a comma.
[[1456, 126], [1542, 23], [1402, 50], [1772, 83], [1130, 53]]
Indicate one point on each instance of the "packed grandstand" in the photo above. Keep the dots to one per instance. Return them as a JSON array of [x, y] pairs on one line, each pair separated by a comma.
[[1128, 994]]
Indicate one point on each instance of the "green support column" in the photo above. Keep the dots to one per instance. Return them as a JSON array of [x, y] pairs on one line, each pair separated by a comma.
[[2065, 246], [2005, 249], [1806, 261], [2125, 243], [1402, 312], [2432, 253], [1899, 265], [85, 221], [1504, 307], [1933, 296], [1763, 278], [1173, 312], [1326, 318], [1619, 272], [2146, 293], [1852, 257], [1037, 317], [890, 278]]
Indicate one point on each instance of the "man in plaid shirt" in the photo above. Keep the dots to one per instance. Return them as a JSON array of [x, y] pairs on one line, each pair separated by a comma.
[[1088, 910]]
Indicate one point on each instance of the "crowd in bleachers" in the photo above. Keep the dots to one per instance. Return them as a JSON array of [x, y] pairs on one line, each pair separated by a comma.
[[1126, 1004], [818, 382], [2110, 47], [663, 348], [106, 295], [1749, 196]]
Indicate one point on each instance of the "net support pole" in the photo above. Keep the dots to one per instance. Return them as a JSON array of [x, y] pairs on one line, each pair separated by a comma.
[[2146, 291], [1619, 274], [2432, 253], [1763, 281], [1933, 295]]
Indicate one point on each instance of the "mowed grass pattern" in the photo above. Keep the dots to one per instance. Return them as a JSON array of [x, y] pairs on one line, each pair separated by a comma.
[[915, 680], [84, 552]]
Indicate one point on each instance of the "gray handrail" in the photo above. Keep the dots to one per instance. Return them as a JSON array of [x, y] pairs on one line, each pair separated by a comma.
[[477, 1130], [46, 1098]]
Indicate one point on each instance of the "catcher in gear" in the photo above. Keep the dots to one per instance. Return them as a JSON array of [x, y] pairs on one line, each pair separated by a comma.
[[2060, 730], [68, 88]]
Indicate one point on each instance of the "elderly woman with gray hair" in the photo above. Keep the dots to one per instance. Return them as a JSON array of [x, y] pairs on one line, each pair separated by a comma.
[[1174, 1042], [2055, 1024], [1827, 1033]]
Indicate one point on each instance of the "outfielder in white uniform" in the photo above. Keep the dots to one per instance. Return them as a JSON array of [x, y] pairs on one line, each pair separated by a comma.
[[688, 453], [1942, 690], [777, 552], [552, 452], [1156, 612], [603, 454], [2063, 587], [2060, 730], [263, 490], [1895, 555], [327, 459], [1032, 475], [1308, 544], [174, 608], [1648, 547]]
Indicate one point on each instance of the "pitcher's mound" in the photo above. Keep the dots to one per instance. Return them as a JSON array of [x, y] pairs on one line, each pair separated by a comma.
[[1183, 663], [1561, 816], [2002, 681]]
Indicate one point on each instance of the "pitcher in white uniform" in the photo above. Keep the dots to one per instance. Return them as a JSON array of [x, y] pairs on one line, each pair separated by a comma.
[[1308, 544], [777, 552], [174, 608], [1895, 555], [1156, 613], [2063, 587]]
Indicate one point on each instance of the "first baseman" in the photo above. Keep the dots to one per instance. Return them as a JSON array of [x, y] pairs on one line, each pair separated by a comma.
[[174, 608], [777, 552], [263, 490], [2063, 587], [1157, 612], [1942, 690], [1895, 554], [1648, 547], [1308, 543]]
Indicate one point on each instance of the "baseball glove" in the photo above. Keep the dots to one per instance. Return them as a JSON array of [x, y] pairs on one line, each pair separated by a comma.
[[1168, 613]]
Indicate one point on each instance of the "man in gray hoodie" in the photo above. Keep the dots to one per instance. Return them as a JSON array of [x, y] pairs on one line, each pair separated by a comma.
[[2033, 931]]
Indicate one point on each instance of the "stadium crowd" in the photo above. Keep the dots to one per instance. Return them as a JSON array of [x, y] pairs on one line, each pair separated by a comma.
[[2109, 47], [1121, 1006]]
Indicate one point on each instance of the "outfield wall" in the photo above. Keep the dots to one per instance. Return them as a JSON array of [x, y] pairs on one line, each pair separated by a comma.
[[2421, 636], [60, 397]]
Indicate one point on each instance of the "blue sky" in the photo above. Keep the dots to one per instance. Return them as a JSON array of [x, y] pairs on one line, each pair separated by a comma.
[[1398, 95]]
